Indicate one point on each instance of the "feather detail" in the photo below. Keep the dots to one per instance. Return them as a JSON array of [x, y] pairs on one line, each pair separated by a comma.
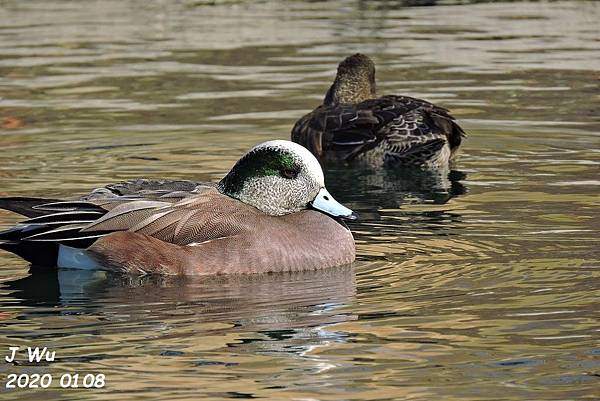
[[162, 222], [66, 217], [183, 223], [67, 206], [125, 215], [63, 233]]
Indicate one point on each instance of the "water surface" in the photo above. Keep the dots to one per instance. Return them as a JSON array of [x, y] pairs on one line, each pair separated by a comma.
[[480, 285]]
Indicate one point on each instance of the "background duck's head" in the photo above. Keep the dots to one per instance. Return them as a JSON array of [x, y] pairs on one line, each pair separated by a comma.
[[281, 177], [354, 82]]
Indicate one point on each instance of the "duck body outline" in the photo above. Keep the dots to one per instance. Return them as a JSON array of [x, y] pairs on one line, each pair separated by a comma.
[[270, 213], [392, 131]]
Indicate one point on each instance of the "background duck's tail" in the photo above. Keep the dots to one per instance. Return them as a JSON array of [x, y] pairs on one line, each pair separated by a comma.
[[447, 125]]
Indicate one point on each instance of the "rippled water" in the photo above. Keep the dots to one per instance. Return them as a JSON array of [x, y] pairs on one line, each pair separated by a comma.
[[480, 286]]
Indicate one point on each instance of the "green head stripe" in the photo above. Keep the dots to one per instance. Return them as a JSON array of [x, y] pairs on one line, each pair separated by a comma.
[[258, 163]]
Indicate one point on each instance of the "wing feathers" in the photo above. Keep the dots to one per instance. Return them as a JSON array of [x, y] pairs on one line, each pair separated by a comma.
[[387, 124], [67, 206], [184, 222], [65, 217], [126, 215], [196, 218]]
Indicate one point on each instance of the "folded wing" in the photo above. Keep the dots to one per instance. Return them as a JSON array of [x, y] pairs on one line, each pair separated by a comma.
[[398, 125]]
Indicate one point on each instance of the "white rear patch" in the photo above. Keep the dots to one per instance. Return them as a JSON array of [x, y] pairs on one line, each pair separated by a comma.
[[75, 258]]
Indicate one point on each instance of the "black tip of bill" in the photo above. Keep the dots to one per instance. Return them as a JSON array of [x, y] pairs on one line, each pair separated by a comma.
[[353, 216]]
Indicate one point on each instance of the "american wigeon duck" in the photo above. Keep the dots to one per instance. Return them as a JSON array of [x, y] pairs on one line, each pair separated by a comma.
[[270, 213], [353, 124]]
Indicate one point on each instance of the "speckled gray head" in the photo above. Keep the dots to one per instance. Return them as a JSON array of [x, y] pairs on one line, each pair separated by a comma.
[[281, 177]]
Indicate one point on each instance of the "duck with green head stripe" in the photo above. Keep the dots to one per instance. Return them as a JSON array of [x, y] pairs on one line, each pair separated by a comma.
[[280, 177], [271, 212]]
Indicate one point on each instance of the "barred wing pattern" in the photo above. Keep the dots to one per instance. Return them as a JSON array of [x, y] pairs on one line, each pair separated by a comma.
[[201, 215], [193, 219], [196, 218]]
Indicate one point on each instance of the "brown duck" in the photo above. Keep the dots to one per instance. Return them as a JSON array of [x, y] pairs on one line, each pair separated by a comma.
[[353, 124], [271, 212]]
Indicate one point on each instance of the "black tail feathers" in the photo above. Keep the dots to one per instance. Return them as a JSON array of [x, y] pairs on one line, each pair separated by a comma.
[[52, 222], [25, 206]]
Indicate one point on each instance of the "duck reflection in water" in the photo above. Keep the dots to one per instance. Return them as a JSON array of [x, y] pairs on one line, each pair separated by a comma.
[[281, 307], [368, 189]]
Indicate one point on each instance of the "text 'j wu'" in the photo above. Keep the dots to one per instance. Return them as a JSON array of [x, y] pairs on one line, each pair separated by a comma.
[[34, 354]]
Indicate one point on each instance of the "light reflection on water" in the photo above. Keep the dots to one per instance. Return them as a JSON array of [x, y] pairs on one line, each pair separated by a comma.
[[480, 284]]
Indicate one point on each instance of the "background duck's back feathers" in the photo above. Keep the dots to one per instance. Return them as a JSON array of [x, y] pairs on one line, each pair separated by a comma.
[[392, 123]]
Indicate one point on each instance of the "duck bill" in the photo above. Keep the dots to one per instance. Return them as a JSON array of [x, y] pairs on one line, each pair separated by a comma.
[[325, 203]]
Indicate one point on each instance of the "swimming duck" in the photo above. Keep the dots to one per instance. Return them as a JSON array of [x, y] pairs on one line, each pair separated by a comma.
[[271, 212], [354, 124]]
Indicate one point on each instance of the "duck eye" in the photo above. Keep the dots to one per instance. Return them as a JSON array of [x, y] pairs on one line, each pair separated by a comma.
[[289, 173]]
